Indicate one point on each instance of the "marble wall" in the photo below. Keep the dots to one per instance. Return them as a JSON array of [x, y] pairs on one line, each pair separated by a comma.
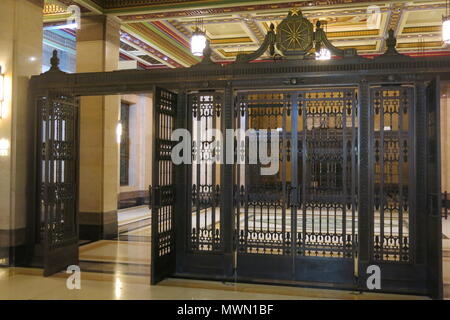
[[20, 57], [140, 142], [98, 51]]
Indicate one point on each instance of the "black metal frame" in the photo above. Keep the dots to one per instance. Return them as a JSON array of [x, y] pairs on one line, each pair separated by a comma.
[[420, 276]]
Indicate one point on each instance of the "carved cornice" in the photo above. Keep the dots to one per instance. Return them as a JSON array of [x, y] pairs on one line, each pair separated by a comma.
[[140, 80]]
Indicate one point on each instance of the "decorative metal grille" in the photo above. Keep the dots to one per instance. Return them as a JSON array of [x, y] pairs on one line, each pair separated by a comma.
[[262, 216], [58, 136], [309, 208], [163, 193], [327, 216], [392, 165], [205, 220]]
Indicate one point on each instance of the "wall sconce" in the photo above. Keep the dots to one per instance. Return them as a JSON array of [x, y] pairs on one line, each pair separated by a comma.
[[119, 132], [4, 147], [2, 92]]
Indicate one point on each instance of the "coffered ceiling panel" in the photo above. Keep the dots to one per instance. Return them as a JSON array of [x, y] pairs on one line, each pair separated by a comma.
[[161, 29]]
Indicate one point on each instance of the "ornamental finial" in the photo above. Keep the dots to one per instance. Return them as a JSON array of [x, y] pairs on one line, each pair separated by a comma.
[[54, 61], [295, 12], [391, 43]]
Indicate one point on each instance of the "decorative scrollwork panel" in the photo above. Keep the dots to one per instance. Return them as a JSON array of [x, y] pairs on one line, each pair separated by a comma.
[[57, 175], [205, 219], [327, 214], [163, 192], [263, 219], [392, 160]]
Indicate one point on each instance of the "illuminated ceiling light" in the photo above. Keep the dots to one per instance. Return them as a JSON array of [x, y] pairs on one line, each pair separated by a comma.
[[446, 30], [198, 41], [446, 24], [323, 54], [119, 132]]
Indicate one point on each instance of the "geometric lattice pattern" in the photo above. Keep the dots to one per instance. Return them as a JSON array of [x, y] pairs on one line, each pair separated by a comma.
[[57, 175], [392, 168], [309, 207]]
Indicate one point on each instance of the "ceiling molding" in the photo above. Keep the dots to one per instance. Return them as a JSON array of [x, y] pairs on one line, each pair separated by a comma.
[[253, 28], [229, 7], [166, 26], [152, 52]]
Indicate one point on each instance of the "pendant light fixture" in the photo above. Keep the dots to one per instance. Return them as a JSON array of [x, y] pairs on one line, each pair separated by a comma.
[[198, 40], [446, 24]]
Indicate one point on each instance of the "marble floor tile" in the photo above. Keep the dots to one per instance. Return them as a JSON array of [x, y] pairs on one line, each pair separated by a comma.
[[125, 216], [116, 251], [20, 283]]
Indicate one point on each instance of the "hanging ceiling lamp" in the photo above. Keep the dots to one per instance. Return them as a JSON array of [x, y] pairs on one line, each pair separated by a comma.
[[198, 40], [446, 24]]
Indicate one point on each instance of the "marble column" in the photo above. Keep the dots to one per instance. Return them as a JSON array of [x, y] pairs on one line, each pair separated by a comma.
[[98, 51], [20, 57]]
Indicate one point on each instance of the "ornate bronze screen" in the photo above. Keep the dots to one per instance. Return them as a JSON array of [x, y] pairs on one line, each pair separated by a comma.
[[204, 220], [393, 151], [309, 207], [58, 116]]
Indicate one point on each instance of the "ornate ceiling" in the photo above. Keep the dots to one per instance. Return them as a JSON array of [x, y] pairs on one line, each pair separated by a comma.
[[157, 32]]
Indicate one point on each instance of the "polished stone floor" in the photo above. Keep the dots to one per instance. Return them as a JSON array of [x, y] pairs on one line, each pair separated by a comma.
[[129, 215], [129, 255], [120, 269], [20, 283]]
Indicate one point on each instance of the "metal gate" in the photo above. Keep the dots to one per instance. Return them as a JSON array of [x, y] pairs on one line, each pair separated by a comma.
[[301, 223], [163, 186], [57, 180], [205, 219]]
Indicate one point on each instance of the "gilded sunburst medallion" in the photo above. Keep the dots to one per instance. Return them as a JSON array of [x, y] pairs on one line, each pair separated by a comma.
[[295, 35]]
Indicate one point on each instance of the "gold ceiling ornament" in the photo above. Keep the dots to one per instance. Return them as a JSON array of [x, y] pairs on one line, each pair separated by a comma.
[[295, 38], [295, 11], [51, 8], [295, 35]]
